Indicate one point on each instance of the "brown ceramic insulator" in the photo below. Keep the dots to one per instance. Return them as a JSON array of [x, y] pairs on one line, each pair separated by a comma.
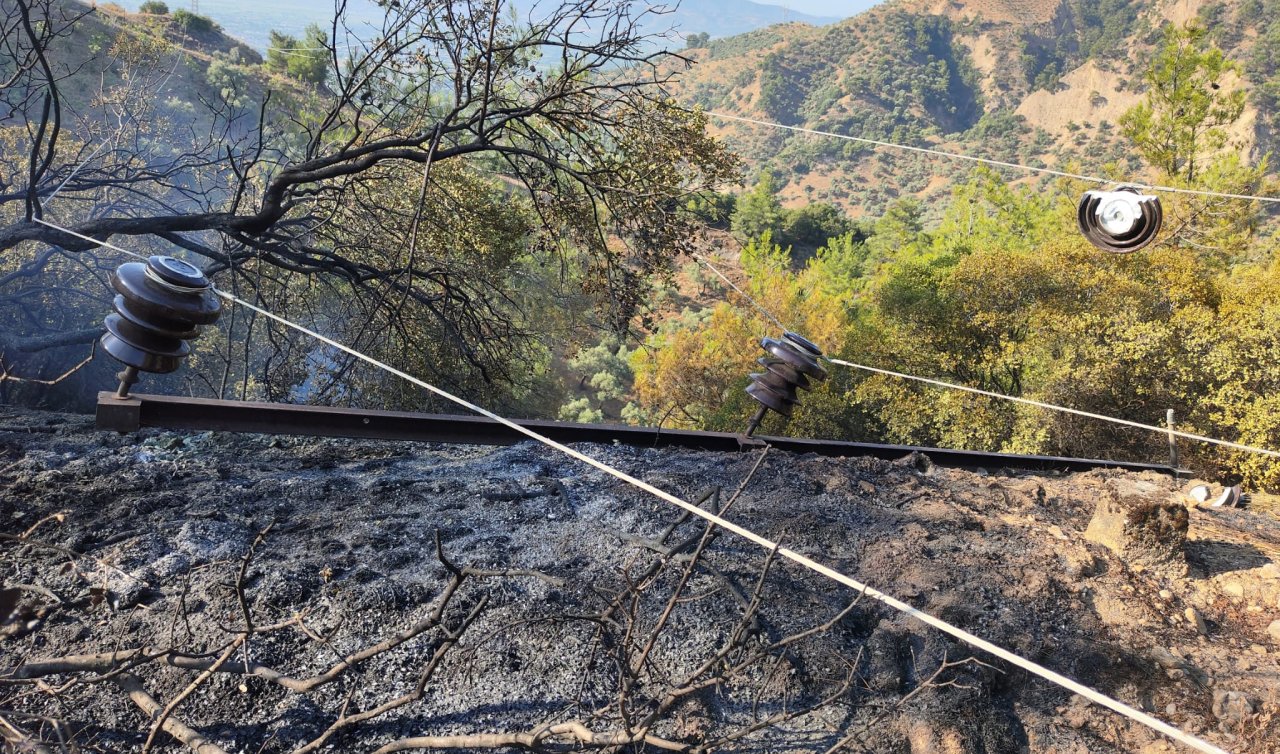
[[160, 306], [792, 365]]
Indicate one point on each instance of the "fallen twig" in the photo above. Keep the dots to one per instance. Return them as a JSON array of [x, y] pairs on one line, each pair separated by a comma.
[[194, 739], [160, 719]]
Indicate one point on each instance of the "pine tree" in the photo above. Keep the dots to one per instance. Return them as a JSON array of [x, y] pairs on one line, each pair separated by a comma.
[[1183, 118]]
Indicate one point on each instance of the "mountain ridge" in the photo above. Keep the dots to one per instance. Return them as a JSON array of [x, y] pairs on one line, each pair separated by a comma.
[[250, 22], [712, 17], [1037, 82]]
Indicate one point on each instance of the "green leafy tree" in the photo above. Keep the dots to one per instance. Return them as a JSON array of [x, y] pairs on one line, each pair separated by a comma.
[[758, 211], [194, 23], [986, 212], [1242, 367], [463, 240], [696, 40], [813, 225], [305, 59], [1180, 129], [843, 262], [1183, 117], [713, 208], [605, 375], [692, 371], [310, 61], [154, 8], [229, 79], [279, 47], [898, 233]]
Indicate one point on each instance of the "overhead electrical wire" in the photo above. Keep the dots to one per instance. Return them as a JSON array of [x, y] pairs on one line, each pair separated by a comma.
[[990, 394], [335, 48], [1064, 409], [76, 169], [747, 297], [994, 163], [971, 639]]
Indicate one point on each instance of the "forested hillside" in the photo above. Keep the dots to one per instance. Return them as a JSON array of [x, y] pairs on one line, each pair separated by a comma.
[[978, 276], [1043, 82], [377, 194]]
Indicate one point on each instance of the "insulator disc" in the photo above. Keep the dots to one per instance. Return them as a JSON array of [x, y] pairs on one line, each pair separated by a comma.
[[794, 356], [1137, 218], [776, 384], [766, 397], [171, 328], [785, 371], [803, 342], [147, 340], [149, 300], [177, 272], [136, 357]]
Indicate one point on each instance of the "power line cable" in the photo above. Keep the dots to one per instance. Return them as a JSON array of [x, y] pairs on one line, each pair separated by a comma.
[[90, 239], [308, 49], [343, 46], [764, 542], [768, 315], [1026, 401], [76, 169], [994, 163], [1064, 409]]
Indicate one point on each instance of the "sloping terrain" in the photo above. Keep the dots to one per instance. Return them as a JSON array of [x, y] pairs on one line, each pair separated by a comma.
[[172, 543], [172, 75], [1040, 82]]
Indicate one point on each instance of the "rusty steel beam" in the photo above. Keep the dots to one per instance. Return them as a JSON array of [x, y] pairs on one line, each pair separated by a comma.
[[204, 414]]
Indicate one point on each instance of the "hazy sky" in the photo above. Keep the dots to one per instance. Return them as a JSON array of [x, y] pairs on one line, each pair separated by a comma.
[[249, 20], [837, 8]]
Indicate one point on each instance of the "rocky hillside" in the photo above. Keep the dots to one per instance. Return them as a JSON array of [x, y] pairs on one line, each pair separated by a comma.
[[178, 72], [1038, 81]]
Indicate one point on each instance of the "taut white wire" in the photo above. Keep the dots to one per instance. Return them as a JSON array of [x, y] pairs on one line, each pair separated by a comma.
[[768, 544], [741, 292], [90, 239], [996, 163], [1027, 401], [75, 170], [1064, 409], [311, 49]]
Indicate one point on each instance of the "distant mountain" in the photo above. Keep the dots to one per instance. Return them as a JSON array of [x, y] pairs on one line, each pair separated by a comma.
[[723, 18], [250, 20], [1035, 81]]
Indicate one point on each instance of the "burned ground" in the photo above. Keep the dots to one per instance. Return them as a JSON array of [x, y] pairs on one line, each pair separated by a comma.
[[589, 601]]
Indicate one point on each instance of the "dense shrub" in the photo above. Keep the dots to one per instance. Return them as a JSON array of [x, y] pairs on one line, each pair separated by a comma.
[[194, 23]]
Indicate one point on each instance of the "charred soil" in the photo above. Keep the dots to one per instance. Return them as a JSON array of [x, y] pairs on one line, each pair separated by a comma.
[[274, 594]]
